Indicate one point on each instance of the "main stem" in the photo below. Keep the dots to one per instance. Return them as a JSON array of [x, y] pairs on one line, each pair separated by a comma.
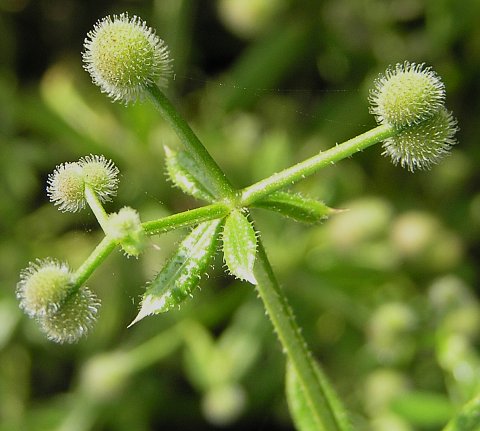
[[222, 188], [309, 166], [294, 344]]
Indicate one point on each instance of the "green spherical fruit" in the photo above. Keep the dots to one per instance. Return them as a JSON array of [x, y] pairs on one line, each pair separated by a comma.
[[124, 56], [406, 95]]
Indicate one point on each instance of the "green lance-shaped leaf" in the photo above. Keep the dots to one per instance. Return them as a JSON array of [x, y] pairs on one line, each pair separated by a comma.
[[184, 172], [182, 272], [296, 207], [239, 246], [303, 416], [468, 418]]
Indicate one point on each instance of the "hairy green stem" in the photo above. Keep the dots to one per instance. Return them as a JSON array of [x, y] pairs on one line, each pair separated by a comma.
[[295, 347], [309, 166], [101, 252], [186, 218], [218, 181]]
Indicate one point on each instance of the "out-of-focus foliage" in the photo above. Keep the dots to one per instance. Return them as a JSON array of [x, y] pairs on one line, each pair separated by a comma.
[[387, 292]]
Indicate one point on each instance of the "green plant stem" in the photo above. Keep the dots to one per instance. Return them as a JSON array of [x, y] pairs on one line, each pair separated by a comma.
[[309, 166], [186, 218], [101, 252], [222, 188], [96, 207], [295, 347]]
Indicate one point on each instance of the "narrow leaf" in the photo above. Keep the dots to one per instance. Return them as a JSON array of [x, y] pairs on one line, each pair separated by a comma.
[[239, 246], [295, 206], [182, 272], [304, 417], [184, 172]]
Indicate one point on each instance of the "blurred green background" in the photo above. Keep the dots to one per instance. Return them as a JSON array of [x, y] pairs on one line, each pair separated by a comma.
[[387, 293]]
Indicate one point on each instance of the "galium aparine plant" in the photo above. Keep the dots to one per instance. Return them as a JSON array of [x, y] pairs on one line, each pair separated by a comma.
[[129, 62]]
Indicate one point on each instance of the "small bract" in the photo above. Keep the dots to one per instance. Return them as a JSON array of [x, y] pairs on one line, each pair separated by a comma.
[[126, 228], [123, 56]]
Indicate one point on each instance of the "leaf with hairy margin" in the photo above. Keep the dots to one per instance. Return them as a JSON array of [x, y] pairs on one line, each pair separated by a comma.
[[239, 246], [296, 207], [183, 171], [182, 272]]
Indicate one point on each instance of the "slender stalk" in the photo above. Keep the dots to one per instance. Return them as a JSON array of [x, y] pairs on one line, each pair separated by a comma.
[[101, 252], [222, 188], [294, 345], [97, 207], [309, 166], [186, 218]]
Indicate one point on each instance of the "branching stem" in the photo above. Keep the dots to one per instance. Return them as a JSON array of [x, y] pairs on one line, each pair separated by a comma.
[[315, 389], [309, 166], [186, 219]]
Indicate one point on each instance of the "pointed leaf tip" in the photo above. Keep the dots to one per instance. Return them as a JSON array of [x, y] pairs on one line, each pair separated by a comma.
[[150, 305]]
